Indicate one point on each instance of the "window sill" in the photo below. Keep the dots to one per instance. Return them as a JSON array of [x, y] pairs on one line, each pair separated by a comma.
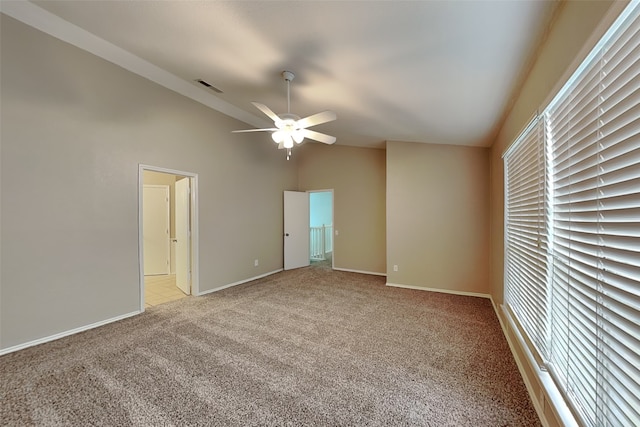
[[547, 398]]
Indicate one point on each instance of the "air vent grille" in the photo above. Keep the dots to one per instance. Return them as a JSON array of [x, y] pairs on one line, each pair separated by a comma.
[[208, 85]]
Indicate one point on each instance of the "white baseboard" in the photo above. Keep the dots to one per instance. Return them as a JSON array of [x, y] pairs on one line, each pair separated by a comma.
[[65, 333], [114, 319], [240, 282], [360, 271], [444, 291]]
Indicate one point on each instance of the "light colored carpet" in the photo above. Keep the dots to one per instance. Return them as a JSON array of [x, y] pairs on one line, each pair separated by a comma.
[[305, 347]]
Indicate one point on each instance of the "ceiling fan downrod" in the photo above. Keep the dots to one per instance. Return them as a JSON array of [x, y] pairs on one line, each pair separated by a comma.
[[291, 134], [288, 76]]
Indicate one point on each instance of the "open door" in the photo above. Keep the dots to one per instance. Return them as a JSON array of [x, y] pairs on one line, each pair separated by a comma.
[[182, 236], [296, 229]]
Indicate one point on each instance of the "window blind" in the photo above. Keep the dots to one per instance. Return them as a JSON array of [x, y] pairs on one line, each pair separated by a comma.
[[525, 228], [594, 134], [586, 324], [573, 135]]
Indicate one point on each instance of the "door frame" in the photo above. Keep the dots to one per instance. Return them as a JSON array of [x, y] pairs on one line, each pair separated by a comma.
[[333, 221], [193, 202], [182, 193]]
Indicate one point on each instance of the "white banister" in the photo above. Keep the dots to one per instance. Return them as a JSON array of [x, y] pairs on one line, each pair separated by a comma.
[[319, 241]]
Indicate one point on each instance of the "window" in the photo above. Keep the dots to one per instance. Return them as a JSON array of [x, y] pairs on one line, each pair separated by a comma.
[[572, 249], [526, 234]]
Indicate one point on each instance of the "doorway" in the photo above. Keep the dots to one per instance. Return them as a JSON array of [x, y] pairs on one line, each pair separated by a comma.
[[302, 243], [168, 254], [321, 226]]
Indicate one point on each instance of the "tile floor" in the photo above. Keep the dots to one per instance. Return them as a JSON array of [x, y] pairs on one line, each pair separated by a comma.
[[161, 289]]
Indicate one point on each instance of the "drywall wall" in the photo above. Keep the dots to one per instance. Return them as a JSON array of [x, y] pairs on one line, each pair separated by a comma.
[[320, 208], [70, 250], [438, 216], [357, 176]]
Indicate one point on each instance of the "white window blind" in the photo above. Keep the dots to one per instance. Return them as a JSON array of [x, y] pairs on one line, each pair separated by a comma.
[[526, 234], [586, 328]]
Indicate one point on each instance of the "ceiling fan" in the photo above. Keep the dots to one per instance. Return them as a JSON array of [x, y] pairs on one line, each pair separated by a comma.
[[290, 128]]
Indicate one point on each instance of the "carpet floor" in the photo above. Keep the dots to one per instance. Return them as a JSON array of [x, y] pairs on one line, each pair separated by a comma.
[[310, 346]]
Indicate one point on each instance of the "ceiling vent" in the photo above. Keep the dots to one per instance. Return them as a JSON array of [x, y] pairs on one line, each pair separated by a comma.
[[209, 85]]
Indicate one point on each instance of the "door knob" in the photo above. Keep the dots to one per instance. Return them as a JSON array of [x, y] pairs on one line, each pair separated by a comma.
[[286, 234]]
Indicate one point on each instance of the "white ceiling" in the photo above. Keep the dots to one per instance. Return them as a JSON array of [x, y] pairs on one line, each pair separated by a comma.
[[423, 71]]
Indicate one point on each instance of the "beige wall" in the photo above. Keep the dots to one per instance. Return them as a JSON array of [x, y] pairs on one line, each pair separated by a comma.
[[438, 216], [578, 26], [74, 130], [357, 176]]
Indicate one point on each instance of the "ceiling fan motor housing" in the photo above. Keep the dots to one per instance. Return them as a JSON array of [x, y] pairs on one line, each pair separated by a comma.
[[288, 116]]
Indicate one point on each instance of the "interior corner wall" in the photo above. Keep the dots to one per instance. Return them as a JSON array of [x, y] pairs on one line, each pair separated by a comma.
[[74, 129], [438, 216], [357, 177]]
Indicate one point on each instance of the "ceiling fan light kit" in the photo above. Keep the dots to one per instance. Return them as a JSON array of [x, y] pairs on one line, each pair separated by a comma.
[[290, 128]]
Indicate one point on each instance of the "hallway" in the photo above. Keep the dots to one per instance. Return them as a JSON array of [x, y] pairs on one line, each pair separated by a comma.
[[161, 289]]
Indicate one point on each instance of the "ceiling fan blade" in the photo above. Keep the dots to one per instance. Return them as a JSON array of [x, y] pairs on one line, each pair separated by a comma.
[[255, 130], [317, 136], [316, 119], [266, 110]]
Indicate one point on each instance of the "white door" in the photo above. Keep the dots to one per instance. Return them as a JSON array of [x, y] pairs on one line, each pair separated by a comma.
[[155, 229], [296, 229], [183, 240]]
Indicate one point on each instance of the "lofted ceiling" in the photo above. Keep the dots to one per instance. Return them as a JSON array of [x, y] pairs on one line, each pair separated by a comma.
[[421, 71]]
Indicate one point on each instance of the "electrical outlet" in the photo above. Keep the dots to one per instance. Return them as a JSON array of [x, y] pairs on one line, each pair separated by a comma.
[[255, 263], [395, 267], [337, 232]]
